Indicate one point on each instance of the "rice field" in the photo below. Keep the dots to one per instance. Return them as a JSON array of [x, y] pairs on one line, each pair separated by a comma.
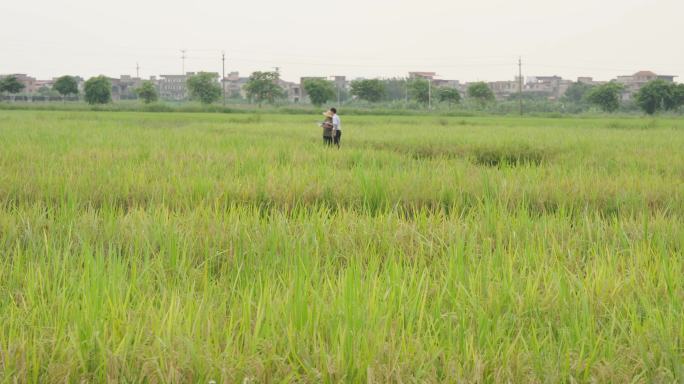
[[236, 248]]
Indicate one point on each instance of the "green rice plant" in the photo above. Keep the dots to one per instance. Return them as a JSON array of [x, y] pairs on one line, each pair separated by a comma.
[[191, 247], [511, 155]]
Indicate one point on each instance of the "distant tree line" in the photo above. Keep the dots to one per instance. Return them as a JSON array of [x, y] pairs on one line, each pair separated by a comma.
[[264, 87], [660, 95], [656, 96], [10, 85]]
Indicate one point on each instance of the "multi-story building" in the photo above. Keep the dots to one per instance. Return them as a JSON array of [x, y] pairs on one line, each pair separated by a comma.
[[431, 76], [44, 84], [340, 82], [442, 83], [422, 75], [32, 86], [293, 91], [589, 81], [124, 87], [504, 89], [633, 83], [437, 83], [234, 85], [28, 82], [341, 87], [173, 87], [552, 86]]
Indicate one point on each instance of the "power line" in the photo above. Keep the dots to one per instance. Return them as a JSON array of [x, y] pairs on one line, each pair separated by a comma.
[[55, 44]]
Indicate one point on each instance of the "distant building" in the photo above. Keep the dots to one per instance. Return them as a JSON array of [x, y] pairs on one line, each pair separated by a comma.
[[293, 91], [234, 85], [124, 87], [422, 75], [34, 87], [341, 82], [437, 83], [633, 83], [589, 81], [552, 86], [504, 89], [432, 77], [28, 82], [44, 84], [172, 87], [342, 87], [643, 77], [441, 83]]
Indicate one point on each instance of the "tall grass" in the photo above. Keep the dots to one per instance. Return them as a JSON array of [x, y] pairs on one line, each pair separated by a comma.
[[190, 247]]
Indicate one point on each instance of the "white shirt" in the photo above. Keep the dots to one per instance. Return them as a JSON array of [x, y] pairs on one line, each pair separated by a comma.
[[337, 125]]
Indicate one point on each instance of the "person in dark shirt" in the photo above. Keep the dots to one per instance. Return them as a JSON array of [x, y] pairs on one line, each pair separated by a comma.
[[327, 126]]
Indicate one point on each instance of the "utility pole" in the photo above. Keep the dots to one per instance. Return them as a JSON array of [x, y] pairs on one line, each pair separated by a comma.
[[520, 84], [183, 60], [137, 70], [223, 77]]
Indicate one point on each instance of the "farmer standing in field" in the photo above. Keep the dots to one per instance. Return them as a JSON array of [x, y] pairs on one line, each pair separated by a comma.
[[337, 127], [327, 126]]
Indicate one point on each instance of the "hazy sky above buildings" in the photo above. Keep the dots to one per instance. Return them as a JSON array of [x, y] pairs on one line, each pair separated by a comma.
[[464, 40]]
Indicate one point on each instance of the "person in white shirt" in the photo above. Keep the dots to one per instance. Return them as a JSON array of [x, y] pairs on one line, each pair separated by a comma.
[[337, 127]]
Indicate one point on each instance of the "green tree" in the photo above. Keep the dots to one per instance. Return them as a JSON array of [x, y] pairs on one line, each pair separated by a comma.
[[395, 89], [656, 96], [66, 85], [319, 91], [204, 87], [47, 91], [577, 92], [419, 90], [606, 96], [369, 90], [678, 96], [263, 87], [147, 92], [481, 93], [11, 85], [449, 95], [660, 95], [98, 90]]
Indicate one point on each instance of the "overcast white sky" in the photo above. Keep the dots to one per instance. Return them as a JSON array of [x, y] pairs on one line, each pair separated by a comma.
[[464, 40]]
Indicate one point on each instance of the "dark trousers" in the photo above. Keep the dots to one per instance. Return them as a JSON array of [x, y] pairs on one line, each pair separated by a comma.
[[337, 138], [327, 140]]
